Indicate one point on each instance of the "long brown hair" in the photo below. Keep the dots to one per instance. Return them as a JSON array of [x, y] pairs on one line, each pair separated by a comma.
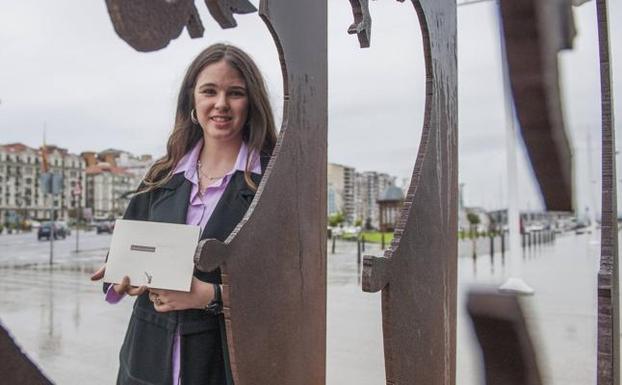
[[258, 133]]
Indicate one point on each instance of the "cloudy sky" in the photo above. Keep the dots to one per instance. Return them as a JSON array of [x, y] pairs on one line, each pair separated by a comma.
[[65, 69]]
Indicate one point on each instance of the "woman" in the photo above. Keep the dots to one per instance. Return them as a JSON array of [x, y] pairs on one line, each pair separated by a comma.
[[223, 136]]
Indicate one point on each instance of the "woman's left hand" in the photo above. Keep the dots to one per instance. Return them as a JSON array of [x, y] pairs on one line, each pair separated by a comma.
[[200, 295]]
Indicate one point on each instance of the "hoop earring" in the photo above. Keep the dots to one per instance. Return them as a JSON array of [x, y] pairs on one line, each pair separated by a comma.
[[193, 116]]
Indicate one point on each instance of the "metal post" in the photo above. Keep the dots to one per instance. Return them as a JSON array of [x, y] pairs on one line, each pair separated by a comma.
[[79, 214], [333, 248], [382, 240], [358, 252], [363, 242], [79, 197], [502, 242], [523, 239], [52, 233], [492, 245]]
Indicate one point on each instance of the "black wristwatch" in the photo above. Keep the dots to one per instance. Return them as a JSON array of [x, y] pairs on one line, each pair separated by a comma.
[[215, 305]]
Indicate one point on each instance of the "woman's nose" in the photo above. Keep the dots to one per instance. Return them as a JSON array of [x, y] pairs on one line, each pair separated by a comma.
[[221, 101]]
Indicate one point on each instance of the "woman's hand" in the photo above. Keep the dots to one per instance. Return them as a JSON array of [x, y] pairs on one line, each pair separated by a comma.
[[200, 295], [120, 288]]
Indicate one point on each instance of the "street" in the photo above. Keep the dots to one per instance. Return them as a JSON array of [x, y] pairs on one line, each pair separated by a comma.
[[24, 249], [61, 320]]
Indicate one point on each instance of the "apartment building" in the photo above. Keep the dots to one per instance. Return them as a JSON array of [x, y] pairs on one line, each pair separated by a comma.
[[369, 185], [340, 186], [21, 197], [108, 189]]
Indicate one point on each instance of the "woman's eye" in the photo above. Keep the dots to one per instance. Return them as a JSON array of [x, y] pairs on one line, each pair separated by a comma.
[[209, 91], [238, 93]]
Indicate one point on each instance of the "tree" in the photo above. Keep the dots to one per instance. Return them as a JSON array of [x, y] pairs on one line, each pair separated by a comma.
[[335, 219], [473, 221]]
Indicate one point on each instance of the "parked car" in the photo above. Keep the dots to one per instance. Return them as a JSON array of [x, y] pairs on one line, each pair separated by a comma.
[[105, 227], [45, 231]]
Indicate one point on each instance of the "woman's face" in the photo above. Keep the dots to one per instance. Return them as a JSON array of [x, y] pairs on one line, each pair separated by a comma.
[[221, 102]]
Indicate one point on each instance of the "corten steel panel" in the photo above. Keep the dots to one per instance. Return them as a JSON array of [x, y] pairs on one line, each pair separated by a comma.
[[608, 371], [15, 367], [149, 25], [417, 274], [222, 10], [534, 32], [362, 22], [509, 356], [274, 263]]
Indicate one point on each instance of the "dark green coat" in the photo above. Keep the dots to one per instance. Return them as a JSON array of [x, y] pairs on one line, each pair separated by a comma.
[[146, 354]]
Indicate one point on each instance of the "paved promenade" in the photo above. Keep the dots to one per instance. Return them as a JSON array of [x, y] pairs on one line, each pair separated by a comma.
[[60, 319]]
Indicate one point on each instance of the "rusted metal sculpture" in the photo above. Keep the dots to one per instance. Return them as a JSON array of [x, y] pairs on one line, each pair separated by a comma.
[[15, 366], [509, 355], [417, 274], [149, 25], [222, 10], [274, 263], [362, 22], [534, 32], [608, 371]]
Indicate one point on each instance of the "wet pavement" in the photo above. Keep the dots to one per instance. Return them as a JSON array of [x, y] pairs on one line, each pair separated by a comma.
[[60, 319]]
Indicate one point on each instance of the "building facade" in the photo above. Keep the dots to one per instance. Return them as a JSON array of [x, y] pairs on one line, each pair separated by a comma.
[[21, 196], [340, 194], [108, 190], [369, 185]]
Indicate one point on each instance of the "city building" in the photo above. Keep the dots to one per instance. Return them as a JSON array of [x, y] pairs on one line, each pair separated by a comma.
[[340, 186], [108, 189], [135, 165], [389, 206], [368, 187], [21, 196]]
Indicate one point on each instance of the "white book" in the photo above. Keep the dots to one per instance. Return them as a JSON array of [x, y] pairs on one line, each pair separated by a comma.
[[153, 254]]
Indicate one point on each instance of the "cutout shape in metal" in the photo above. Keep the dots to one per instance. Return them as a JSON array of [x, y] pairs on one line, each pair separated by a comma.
[[418, 273], [274, 262]]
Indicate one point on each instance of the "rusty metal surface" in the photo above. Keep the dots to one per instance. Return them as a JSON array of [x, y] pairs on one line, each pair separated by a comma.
[[535, 31], [418, 273], [222, 10], [15, 367], [274, 263], [362, 22], [608, 370], [149, 25], [509, 356]]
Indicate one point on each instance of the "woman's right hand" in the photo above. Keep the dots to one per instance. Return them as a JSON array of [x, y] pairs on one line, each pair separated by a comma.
[[125, 288], [120, 288]]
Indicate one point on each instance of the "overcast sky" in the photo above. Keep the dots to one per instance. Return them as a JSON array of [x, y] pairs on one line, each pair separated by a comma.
[[64, 68]]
